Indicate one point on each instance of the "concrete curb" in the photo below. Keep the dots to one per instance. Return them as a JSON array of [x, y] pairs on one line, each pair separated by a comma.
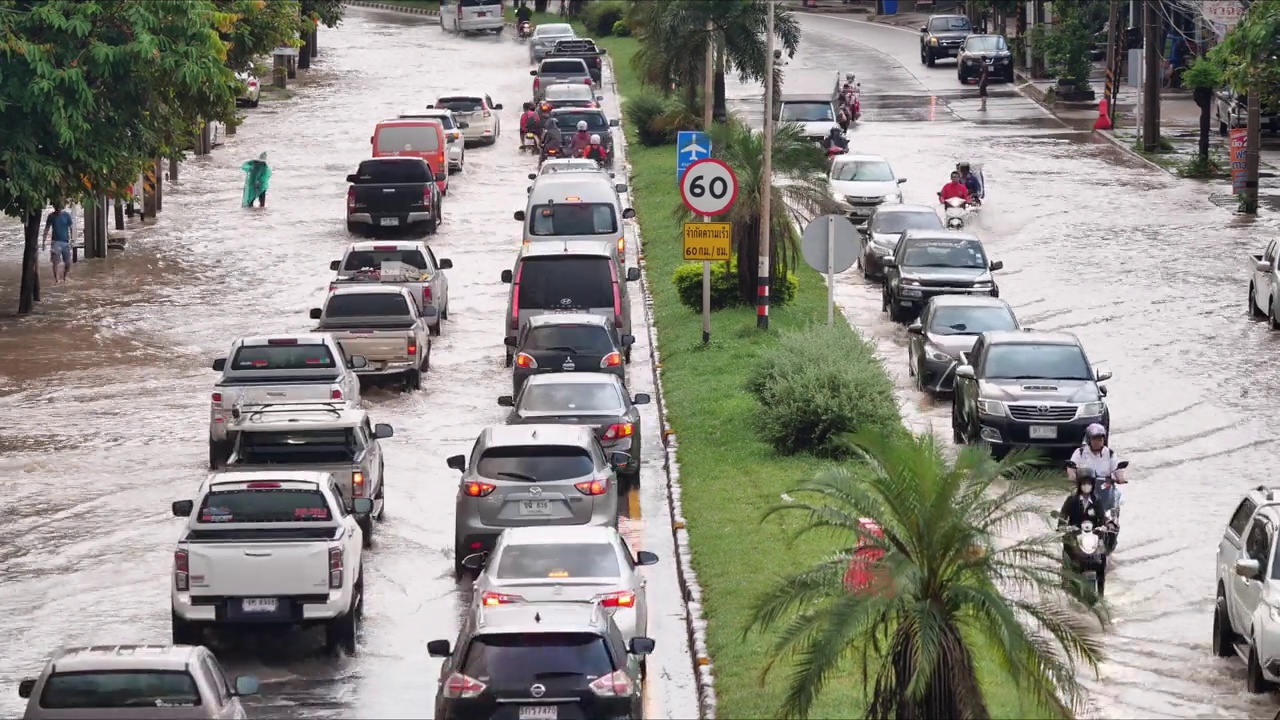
[[393, 8]]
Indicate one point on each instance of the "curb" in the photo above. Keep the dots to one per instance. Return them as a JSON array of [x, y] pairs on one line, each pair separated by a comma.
[[393, 8]]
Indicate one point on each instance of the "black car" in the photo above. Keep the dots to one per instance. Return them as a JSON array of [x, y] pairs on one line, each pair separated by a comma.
[[882, 231], [991, 50], [568, 342], [942, 36], [935, 262], [586, 398], [947, 329], [597, 124], [563, 660]]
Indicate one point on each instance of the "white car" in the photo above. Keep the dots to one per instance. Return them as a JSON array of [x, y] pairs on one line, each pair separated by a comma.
[[814, 114], [566, 563], [1246, 615], [452, 133], [544, 38], [862, 182], [252, 89], [479, 113], [468, 16]]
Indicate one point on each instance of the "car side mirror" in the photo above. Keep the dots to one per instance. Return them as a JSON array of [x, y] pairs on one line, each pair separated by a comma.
[[641, 646], [439, 648], [1102, 374], [996, 265], [621, 188], [335, 265], [915, 328], [641, 399], [628, 340], [533, 73], [1102, 390], [445, 264], [352, 178], [628, 214], [357, 362], [633, 274], [498, 106], [457, 462], [924, 29], [315, 313], [518, 215], [533, 176], [965, 371], [506, 276], [1263, 267], [382, 431], [362, 506], [506, 401], [463, 125], [901, 180], [619, 459], [1247, 568], [889, 262], [1122, 464], [246, 685], [474, 561], [220, 364], [509, 341], [25, 687], [613, 123], [644, 557], [182, 508]]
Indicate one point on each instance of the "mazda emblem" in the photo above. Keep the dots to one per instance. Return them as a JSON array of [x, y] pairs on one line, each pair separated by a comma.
[[535, 491], [1042, 409], [538, 690]]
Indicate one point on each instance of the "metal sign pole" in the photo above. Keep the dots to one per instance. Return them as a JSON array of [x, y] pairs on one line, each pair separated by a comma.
[[706, 296], [831, 269]]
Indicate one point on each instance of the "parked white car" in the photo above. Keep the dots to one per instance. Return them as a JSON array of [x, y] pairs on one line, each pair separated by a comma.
[[479, 113], [252, 89], [1246, 614], [452, 133]]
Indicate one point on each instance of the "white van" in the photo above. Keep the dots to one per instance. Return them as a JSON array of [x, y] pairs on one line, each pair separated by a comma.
[[576, 206], [471, 15]]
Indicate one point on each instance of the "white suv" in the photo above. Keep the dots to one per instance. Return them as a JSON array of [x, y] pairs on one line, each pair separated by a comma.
[[1246, 616]]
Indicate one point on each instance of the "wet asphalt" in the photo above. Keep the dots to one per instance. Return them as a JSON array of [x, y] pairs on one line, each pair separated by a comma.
[[104, 392], [1151, 274]]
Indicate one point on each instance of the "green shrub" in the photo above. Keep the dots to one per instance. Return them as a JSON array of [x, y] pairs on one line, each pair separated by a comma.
[[621, 29], [724, 286], [602, 15], [649, 114], [816, 387]]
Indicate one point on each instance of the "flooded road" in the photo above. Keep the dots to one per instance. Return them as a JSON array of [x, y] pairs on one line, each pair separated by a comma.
[[104, 393], [1151, 275]]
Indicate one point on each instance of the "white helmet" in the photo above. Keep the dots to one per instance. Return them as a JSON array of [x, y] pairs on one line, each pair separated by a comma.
[[595, 139], [582, 126]]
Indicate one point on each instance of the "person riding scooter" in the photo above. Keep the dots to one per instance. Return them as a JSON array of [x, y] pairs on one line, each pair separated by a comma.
[[835, 143], [954, 189], [1095, 454], [971, 181], [580, 140], [528, 122], [523, 13], [596, 151], [1081, 507], [552, 140]]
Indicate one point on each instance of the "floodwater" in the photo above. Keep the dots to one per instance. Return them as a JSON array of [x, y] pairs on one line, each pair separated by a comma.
[[104, 392], [1152, 275]]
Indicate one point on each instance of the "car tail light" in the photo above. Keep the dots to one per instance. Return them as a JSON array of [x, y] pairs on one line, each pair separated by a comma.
[[475, 488], [357, 484], [526, 361], [282, 341], [385, 248], [215, 400], [459, 10], [586, 80], [615, 684], [622, 245], [216, 397], [411, 347], [613, 359], [515, 299], [546, 108], [620, 599], [459, 686], [490, 599], [536, 83], [618, 431], [426, 295], [593, 487], [335, 568], [351, 199], [617, 297], [485, 111], [180, 569], [262, 485], [335, 394], [426, 195]]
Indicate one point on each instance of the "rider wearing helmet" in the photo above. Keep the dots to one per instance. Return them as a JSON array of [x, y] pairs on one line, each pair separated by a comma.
[[551, 137], [836, 140], [595, 151], [970, 181], [581, 139], [1095, 455]]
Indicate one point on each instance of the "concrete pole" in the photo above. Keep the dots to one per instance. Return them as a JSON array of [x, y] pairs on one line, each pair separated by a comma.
[[159, 185], [766, 189], [1253, 146], [708, 108], [1114, 36], [119, 208], [173, 170], [1151, 89], [90, 227]]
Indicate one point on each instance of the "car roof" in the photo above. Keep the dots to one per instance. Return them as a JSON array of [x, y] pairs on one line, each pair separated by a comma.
[[983, 35], [843, 159], [948, 15], [549, 617], [369, 289], [408, 122], [546, 60], [1030, 337], [559, 534], [903, 208], [918, 234], [546, 248], [574, 378], [967, 301], [123, 657], [569, 319], [575, 110], [371, 245], [559, 187], [557, 26], [806, 98], [305, 416], [461, 96], [301, 338], [538, 434]]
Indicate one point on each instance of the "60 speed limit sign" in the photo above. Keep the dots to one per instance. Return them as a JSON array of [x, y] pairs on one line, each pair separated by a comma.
[[709, 187]]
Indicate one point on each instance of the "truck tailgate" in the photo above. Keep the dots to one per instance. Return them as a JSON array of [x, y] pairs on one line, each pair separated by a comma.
[[321, 391], [377, 346], [389, 199], [259, 569]]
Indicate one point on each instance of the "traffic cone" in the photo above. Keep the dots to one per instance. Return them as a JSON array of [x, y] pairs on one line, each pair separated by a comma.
[[1104, 116]]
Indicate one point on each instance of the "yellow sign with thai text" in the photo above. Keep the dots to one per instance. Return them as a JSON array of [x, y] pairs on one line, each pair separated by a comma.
[[707, 242]]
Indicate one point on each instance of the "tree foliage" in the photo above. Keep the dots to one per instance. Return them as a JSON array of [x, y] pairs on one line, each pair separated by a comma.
[[253, 28], [326, 12], [1249, 56]]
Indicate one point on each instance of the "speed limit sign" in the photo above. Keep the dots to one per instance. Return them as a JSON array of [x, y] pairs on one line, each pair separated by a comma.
[[709, 187]]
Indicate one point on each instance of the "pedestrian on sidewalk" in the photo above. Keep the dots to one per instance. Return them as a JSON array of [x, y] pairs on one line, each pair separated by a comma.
[[59, 226], [258, 177]]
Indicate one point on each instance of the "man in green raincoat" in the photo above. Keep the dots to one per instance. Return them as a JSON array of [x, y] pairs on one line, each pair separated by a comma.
[[258, 177]]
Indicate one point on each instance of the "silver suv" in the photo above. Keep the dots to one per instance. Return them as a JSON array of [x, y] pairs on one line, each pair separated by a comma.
[[141, 682], [532, 476], [553, 659]]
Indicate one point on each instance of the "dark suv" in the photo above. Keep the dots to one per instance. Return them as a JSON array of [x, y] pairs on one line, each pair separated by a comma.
[[563, 660], [990, 50], [942, 36], [565, 342]]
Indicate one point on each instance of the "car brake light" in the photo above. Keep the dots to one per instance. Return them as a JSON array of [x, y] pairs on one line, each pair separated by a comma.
[[426, 195], [357, 484], [486, 113], [412, 348], [613, 359], [620, 599], [180, 569], [459, 686], [385, 248], [526, 361], [351, 199], [593, 487], [335, 394], [335, 568], [617, 297], [494, 598], [282, 341], [216, 397], [586, 80], [475, 488], [515, 299], [536, 83], [426, 295], [615, 684], [618, 431], [622, 245], [263, 486]]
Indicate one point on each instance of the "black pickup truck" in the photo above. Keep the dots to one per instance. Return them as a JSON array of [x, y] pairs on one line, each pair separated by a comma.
[[393, 195], [585, 48]]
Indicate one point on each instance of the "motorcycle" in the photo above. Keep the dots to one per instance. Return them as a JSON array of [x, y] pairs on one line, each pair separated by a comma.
[[550, 153], [524, 30], [1110, 500], [1090, 552], [957, 211]]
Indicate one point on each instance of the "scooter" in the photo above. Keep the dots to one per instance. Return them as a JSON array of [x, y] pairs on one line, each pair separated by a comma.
[[529, 143], [957, 211], [1090, 553], [550, 153], [1109, 500], [524, 30]]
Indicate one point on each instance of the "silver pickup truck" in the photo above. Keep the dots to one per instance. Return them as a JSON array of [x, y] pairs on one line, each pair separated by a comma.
[[408, 263], [280, 369], [383, 324]]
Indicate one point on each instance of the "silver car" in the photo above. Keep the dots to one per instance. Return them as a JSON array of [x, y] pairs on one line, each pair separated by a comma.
[[582, 564], [544, 39], [532, 476]]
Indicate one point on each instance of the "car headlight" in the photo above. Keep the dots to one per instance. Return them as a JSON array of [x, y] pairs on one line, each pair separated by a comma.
[[933, 41], [893, 198], [912, 283], [935, 353], [982, 286], [1092, 409], [991, 407]]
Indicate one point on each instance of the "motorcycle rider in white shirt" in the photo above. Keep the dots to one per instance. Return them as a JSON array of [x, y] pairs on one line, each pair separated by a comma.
[[1095, 454]]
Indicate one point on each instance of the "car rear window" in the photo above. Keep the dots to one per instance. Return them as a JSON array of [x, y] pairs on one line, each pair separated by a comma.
[[461, 104], [119, 689], [407, 138], [554, 30], [520, 659], [544, 463], [481, 3], [571, 398], [446, 121], [393, 172], [958, 320], [594, 120], [371, 305], [562, 67], [569, 218], [566, 91], [282, 357], [585, 339], [298, 446], [801, 112], [574, 560], [373, 259], [264, 506], [568, 283]]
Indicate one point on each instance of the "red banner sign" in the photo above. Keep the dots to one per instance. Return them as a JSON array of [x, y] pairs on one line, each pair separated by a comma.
[[1238, 153]]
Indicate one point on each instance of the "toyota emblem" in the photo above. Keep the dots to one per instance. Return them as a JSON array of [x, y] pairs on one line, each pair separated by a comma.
[[535, 491], [538, 690], [1042, 409]]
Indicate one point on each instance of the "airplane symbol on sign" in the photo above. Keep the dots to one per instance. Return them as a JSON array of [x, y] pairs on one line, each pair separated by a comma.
[[694, 150]]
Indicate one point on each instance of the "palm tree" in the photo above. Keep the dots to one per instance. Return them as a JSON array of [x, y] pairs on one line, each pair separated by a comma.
[[947, 563], [799, 184]]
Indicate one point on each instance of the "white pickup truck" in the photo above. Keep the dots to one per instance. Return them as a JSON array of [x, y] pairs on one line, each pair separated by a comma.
[[1264, 285], [1246, 615], [385, 325], [307, 368], [408, 263], [268, 548]]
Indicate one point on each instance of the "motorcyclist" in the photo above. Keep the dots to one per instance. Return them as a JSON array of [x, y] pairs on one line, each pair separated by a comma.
[[580, 140], [528, 119], [551, 137], [523, 13], [971, 181], [1095, 454], [835, 141], [954, 189], [595, 151], [1082, 506]]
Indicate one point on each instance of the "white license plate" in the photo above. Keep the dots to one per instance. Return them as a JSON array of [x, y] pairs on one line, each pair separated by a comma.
[[535, 507], [484, 14], [259, 605], [389, 222], [568, 366], [1043, 432], [538, 712]]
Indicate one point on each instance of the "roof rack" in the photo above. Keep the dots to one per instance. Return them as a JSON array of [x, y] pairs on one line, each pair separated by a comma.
[[255, 411]]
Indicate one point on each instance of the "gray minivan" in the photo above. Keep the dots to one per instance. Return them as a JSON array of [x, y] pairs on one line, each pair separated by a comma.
[[576, 206], [568, 276]]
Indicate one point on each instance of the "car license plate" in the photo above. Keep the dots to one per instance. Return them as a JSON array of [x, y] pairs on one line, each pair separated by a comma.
[[1043, 432], [568, 366], [389, 222], [538, 712], [535, 507], [482, 14], [259, 605]]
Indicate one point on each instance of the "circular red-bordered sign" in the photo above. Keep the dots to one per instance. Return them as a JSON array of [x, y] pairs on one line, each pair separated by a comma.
[[709, 187]]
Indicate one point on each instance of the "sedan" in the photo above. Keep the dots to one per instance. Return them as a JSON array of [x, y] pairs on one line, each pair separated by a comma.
[[568, 342], [589, 398], [947, 329], [882, 231], [544, 39], [862, 182], [567, 95], [566, 564]]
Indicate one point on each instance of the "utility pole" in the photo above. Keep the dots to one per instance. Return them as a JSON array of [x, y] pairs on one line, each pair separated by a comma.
[[1253, 146], [708, 108], [1114, 39], [1151, 84], [766, 185]]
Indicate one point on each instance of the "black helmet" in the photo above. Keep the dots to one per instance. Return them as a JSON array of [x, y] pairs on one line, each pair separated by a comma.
[[962, 166], [835, 132], [1085, 474]]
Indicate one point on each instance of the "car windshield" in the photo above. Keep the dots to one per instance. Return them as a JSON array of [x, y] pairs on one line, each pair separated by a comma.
[[553, 30], [566, 91], [264, 506], [944, 253], [375, 259], [892, 223], [571, 398], [584, 339], [807, 112], [863, 170], [570, 120], [282, 357], [573, 219], [461, 104], [562, 67], [568, 283], [521, 659], [986, 43], [1024, 361], [546, 463], [370, 305], [949, 24], [99, 690], [959, 320], [393, 172], [297, 446], [407, 138], [570, 560]]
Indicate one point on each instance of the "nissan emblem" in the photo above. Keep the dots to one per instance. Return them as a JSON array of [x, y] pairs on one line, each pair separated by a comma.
[[538, 690]]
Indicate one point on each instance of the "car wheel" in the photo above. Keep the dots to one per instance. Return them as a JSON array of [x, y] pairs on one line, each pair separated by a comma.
[[340, 633], [1223, 130], [444, 314], [218, 453], [353, 228], [1008, 76], [254, 102], [1254, 681], [960, 76], [509, 360], [896, 313], [957, 436], [413, 381], [185, 633], [432, 226], [630, 479], [1224, 640], [366, 527], [436, 329], [930, 60], [426, 361], [884, 299], [1254, 312], [1272, 322], [924, 56]]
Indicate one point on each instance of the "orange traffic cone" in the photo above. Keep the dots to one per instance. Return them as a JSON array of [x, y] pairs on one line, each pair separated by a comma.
[[1104, 116]]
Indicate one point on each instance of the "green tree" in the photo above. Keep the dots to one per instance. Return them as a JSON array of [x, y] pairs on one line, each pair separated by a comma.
[[253, 28], [315, 13], [955, 588], [93, 91], [1203, 77], [1068, 43]]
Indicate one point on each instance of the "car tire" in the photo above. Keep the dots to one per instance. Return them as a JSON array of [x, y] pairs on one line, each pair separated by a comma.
[[366, 527], [629, 479], [444, 314], [184, 632], [1223, 130], [254, 102], [1254, 681], [218, 453], [1254, 312], [930, 60], [432, 226], [510, 359], [1224, 639], [1272, 322], [353, 228], [957, 436], [895, 313], [1008, 76], [426, 361], [924, 56], [960, 76], [413, 381], [340, 632], [437, 328]]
